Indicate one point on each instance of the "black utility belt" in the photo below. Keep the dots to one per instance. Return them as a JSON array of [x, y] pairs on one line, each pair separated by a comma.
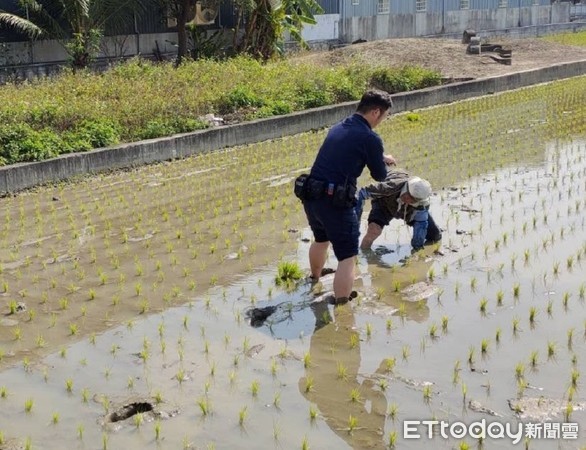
[[341, 195]]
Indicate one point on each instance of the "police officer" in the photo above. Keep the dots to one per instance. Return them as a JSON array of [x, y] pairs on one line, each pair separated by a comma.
[[399, 196], [347, 149]]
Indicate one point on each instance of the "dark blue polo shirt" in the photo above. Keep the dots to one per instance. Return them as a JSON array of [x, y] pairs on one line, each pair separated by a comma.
[[350, 146]]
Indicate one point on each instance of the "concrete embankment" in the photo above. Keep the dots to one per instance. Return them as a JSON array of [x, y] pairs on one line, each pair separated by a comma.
[[22, 176]]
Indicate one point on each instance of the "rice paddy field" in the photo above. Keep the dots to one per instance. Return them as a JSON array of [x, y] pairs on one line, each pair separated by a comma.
[[125, 298]]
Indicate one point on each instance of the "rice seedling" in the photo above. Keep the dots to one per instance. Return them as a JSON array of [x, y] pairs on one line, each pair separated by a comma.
[[389, 324], [516, 290], [354, 341], [464, 389], [355, 395], [499, 298], [305, 443], [288, 272], [484, 346], [352, 423], [433, 331], [157, 428], [368, 330], [532, 315], [307, 360], [565, 299], [427, 393], [277, 400], [28, 405], [575, 375], [308, 384], [204, 406], [549, 308], [520, 371], [556, 269], [568, 410], [392, 440], [254, 388], [471, 357], [405, 352], [551, 350], [570, 334], [242, 414], [390, 364], [483, 304], [516, 322]]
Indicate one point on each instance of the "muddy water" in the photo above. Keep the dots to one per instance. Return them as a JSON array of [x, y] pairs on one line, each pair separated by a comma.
[[177, 253]]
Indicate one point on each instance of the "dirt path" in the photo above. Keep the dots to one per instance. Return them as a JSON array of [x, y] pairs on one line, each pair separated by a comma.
[[449, 55]]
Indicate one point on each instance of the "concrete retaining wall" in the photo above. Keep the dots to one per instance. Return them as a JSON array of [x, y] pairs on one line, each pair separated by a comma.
[[22, 176]]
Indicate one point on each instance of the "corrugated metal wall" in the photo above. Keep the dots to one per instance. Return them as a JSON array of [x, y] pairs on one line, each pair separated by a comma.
[[330, 6], [402, 7], [366, 8]]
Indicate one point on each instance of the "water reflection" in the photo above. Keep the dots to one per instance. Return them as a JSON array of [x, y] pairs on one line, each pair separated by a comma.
[[332, 383]]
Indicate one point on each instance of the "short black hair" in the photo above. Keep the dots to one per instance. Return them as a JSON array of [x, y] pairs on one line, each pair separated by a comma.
[[374, 99]]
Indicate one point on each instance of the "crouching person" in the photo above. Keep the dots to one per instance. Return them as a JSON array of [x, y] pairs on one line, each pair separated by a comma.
[[403, 197]]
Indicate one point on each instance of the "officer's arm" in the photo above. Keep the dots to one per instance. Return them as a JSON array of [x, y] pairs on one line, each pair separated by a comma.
[[419, 220], [374, 158]]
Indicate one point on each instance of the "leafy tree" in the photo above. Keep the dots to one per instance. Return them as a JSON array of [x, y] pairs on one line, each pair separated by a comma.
[[183, 11], [78, 24], [265, 22]]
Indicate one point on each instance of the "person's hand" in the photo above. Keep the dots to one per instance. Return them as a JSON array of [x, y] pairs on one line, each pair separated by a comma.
[[389, 160], [363, 194]]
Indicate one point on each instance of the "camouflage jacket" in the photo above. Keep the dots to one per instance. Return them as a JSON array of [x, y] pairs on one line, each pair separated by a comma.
[[386, 194]]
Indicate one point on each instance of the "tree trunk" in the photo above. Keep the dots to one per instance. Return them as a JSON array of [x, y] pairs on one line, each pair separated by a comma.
[[182, 16]]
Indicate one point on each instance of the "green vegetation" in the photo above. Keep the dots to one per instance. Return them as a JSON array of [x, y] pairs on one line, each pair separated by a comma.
[[578, 39], [140, 100]]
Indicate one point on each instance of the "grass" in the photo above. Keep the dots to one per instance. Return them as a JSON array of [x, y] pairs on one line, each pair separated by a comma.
[[570, 38]]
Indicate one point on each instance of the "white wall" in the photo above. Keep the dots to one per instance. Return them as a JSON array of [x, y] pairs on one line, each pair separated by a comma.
[[325, 29]]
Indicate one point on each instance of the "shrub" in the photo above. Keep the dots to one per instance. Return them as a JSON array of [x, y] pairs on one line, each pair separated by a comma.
[[140, 100], [20, 143], [238, 98], [407, 78]]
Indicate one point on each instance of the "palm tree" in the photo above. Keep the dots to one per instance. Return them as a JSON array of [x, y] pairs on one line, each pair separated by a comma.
[[78, 24]]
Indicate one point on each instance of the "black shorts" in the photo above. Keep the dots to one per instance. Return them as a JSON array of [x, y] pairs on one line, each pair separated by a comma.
[[377, 215], [334, 224]]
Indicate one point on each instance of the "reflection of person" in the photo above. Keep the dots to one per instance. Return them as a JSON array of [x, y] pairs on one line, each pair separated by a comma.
[[347, 149], [399, 197], [334, 375]]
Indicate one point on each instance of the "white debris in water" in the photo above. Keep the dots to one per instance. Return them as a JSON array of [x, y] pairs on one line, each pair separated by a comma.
[[419, 291]]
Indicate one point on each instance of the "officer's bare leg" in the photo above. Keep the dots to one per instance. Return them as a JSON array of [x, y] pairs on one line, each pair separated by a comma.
[[318, 253], [373, 231], [344, 278]]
